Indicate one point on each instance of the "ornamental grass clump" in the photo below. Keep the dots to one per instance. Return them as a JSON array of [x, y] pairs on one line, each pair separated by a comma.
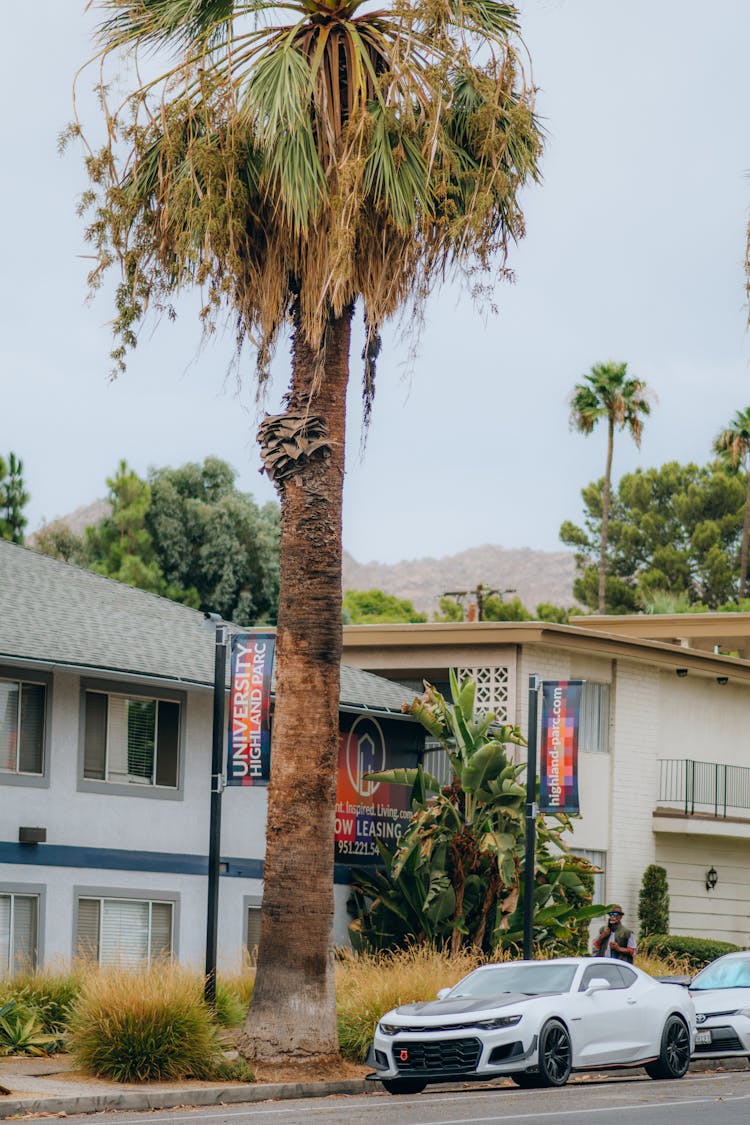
[[369, 985], [49, 994], [143, 1026]]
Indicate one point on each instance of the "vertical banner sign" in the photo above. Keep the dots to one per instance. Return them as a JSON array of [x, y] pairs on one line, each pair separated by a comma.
[[249, 752], [558, 770]]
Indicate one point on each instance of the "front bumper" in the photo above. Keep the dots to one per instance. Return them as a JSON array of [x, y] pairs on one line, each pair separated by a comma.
[[442, 1056], [729, 1037]]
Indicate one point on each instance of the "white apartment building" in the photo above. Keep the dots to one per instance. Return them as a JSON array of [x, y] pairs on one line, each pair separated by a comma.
[[664, 752], [105, 764]]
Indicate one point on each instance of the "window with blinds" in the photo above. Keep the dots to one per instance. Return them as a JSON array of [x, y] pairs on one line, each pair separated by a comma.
[[18, 933], [593, 731], [599, 859], [22, 716], [125, 932], [131, 740]]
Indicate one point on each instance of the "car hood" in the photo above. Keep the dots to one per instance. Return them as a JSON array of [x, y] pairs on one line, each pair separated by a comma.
[[720, 999], [462, 1005]]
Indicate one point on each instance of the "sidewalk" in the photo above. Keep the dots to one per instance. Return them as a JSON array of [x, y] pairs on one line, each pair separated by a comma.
[[50, 1086]]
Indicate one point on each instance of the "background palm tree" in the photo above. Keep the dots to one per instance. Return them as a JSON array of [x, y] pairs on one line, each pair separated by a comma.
[[290, 171], [608, 392], [734, 443]]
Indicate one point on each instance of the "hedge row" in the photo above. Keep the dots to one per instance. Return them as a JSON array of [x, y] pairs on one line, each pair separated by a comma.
[[696, 951]]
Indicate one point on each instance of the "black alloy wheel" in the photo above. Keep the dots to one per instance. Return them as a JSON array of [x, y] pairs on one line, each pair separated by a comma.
[[403, 1085], [674, 1056], [555, 1054]]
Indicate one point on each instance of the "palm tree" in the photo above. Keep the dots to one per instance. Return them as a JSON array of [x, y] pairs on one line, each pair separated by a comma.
[[608, 392], [291, 170], [734, 443]]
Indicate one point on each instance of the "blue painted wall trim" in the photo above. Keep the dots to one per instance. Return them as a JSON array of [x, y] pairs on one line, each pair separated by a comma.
[[114, 859]]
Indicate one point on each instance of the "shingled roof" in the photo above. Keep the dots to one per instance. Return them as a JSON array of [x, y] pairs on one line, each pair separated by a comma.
[[56, 615]]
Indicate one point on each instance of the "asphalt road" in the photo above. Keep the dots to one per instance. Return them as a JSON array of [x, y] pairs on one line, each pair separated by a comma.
[[702, 1099]]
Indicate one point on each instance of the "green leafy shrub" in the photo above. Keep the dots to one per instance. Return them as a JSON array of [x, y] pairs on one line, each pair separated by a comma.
[[149, 1025], [693, 951], [49, 994], [21, 1031], [653, 901], [229, 1011]]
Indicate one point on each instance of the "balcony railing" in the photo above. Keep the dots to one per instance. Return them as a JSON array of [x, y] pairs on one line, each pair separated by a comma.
[[704, 787]]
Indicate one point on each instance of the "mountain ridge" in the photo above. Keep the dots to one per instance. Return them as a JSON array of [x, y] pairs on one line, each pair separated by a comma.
[[532, 575]]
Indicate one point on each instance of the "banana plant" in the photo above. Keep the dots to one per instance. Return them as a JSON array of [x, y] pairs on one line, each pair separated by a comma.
[[455, 876]]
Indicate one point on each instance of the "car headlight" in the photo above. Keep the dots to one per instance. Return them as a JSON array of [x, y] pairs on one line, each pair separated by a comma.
[[387, 1028], [742, 1012], [499, 1021]]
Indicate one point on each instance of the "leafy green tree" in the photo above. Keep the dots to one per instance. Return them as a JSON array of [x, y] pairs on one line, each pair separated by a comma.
[[607, 392], [366, 607], [653, 901], [455, 877], [121, 546], [734, 444], [209, 537], [289, 171], [13, 499], [59, 542], [672, 531], [495, 608]]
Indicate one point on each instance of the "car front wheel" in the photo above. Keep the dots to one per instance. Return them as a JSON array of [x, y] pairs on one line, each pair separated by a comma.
[[555, 1054], [403, 1085], [674, 1056]]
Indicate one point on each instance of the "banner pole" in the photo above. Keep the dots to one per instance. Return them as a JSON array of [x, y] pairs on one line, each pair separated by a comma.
[[531, 814], [214, 833]]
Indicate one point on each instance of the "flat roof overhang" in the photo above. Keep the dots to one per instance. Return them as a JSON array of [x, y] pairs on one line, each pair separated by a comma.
[[402, 649]]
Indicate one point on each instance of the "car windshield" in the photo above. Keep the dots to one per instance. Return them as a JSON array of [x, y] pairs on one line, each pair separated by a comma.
[[533, 980], [733, 973]]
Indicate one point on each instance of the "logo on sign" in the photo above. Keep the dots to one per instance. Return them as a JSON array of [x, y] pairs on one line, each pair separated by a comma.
[[365, 753]]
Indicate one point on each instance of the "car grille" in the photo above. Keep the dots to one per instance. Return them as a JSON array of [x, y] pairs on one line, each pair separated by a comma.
[[722, 1039], [446, 1056]]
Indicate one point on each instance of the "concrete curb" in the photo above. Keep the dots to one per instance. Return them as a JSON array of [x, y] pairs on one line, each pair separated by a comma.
[[171, 1099]]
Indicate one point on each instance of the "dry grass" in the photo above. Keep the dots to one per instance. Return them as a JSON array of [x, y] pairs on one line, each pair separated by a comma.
[[368, 986], [136, 1028]]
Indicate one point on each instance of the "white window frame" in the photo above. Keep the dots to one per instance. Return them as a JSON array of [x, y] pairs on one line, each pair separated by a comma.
[[597, 741], [24, 890], [599, 859], [102, 895]]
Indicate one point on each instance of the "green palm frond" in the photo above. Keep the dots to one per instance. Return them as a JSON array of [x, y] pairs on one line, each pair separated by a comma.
[[158, 22], [277, 106]]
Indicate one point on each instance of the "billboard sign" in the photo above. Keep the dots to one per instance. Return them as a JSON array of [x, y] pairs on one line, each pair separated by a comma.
[[367, 810]]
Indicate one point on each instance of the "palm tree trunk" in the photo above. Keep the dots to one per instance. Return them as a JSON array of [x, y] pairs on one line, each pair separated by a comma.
[[292, 1016], [745, 538], [605, 519]]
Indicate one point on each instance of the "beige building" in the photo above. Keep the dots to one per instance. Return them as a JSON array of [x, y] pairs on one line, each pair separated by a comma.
[[664, 761]]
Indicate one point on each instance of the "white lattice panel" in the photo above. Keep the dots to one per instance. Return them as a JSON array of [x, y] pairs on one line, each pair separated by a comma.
[[493, 690]]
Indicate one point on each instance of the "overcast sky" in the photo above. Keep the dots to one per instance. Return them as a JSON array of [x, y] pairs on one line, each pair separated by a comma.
[[634, 252]]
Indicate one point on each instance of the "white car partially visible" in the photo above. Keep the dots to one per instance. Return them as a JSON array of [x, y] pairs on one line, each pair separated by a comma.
[[536, 1022], [721, 993]]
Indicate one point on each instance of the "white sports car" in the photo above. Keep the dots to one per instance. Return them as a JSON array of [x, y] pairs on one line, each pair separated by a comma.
[[721, 993], [536, 1021]]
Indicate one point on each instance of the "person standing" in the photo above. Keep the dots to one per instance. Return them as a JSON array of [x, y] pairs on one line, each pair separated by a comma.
[[614, 940]]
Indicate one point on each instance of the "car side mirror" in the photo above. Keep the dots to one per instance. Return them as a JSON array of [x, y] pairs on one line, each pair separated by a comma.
[[598, 984], [443, 993]]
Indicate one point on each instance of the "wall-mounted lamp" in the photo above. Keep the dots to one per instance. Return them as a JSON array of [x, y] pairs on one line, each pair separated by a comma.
[[681, 672], [722, 679], [712, 878]]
